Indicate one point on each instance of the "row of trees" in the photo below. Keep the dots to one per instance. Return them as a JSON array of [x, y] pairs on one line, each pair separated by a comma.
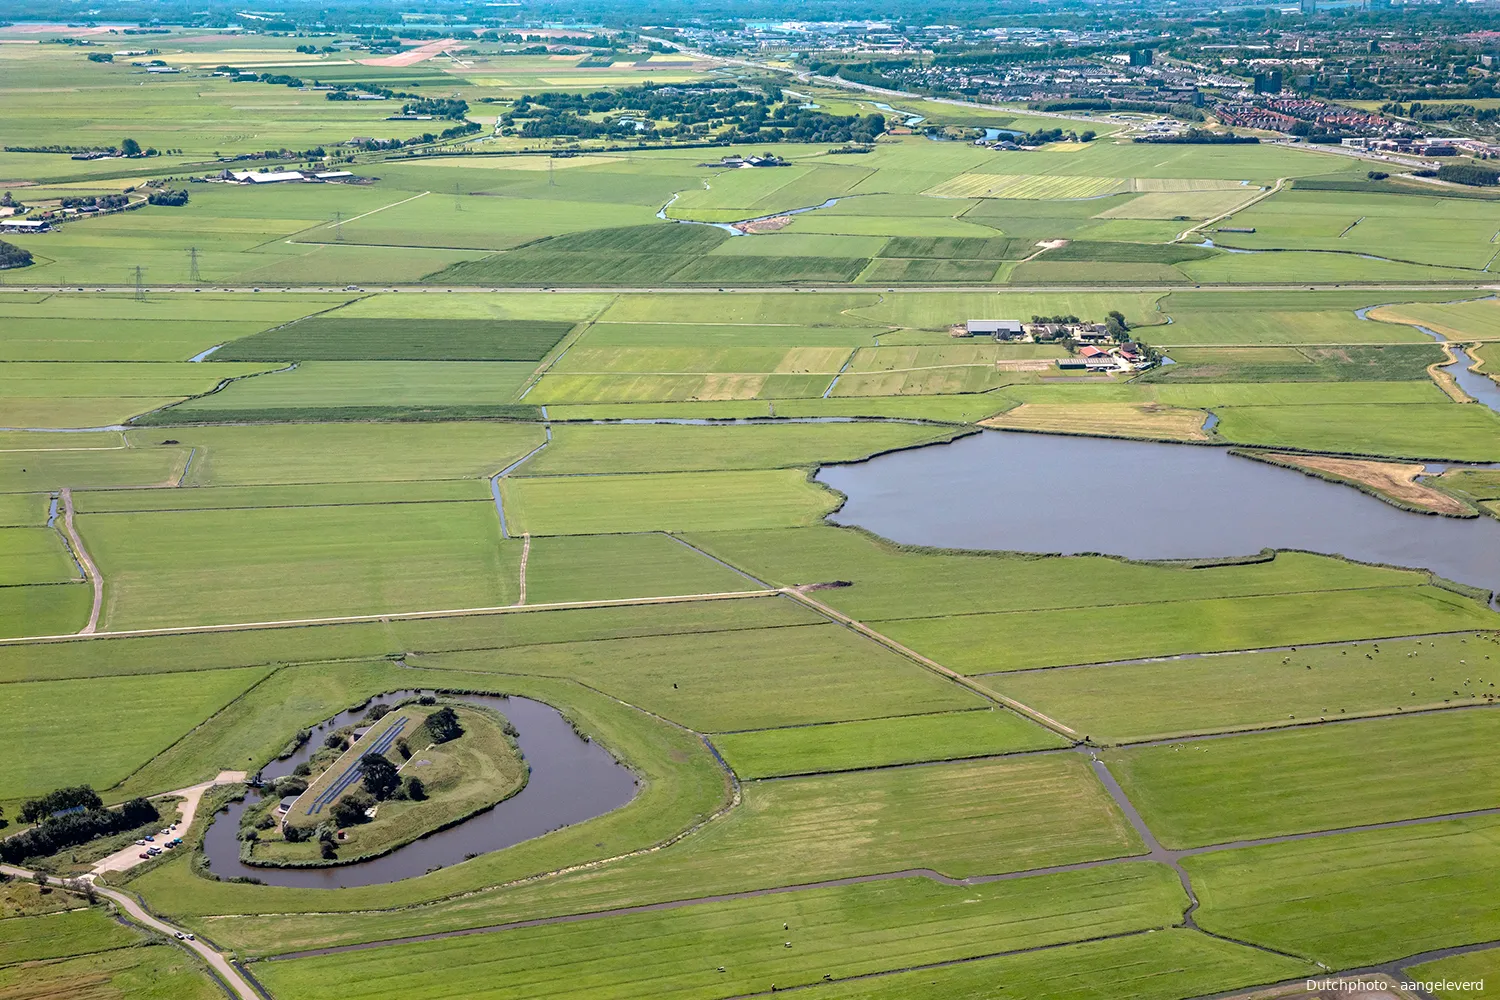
[[59, 832]]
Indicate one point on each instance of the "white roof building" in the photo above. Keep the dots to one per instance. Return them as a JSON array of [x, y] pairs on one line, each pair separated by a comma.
[[265, 177]]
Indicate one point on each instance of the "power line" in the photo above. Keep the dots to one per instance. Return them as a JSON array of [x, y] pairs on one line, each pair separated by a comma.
[[338, 227], [457, 204], [193, 274], [140, 288]]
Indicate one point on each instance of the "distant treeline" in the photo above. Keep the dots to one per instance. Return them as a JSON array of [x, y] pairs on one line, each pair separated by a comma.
[[1470, 174], [1184, 111], [756, 115], [1200, 137]]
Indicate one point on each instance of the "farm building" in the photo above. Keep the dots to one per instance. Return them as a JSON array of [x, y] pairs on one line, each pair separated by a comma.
[[1000, 329], [265, 177], [24, 225]]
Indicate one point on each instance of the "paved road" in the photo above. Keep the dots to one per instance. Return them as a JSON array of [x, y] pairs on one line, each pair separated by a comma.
[[132, 909]]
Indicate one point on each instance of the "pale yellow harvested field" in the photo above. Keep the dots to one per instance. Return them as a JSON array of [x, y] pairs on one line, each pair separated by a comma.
[[1130, 420]]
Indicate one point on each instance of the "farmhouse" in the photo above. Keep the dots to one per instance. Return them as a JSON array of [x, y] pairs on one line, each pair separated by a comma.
[[1000, 329]]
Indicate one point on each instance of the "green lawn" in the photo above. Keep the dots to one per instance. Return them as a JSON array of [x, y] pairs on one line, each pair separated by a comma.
[[34, 555], [1243, 787]]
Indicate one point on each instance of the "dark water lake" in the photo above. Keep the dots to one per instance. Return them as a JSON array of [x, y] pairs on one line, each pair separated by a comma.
[[1050, 493], [572, 780]]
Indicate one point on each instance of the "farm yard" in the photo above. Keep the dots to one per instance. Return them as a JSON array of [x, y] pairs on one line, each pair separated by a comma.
[[548, 423]]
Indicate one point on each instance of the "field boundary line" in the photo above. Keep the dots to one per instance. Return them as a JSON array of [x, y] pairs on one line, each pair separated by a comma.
[[1256, 199], [382, 208], [390, 616], [1210, 654], [931, 664]]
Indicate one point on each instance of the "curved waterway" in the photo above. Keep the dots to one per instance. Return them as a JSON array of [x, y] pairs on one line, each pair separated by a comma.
[[571, 780], [1048, 493]]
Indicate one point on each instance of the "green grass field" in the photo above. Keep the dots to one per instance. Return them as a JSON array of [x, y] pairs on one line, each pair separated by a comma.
[[1397, 892], [1139, 701], [325, 442], [901, 740], [171, 568], [678, 952], [1380, 770], [132, 719], [683, 501]]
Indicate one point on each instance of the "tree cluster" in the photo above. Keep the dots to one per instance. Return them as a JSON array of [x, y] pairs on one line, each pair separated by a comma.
[[174, 197], [1467, 173], [1200, 137], [74, 797], [443, 725], [103, 202], [13, 256], [57, 833], [439, 107]]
